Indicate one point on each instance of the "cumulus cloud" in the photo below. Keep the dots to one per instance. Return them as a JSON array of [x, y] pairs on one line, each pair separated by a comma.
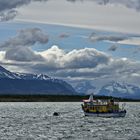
[[19, 53], [56, 60], [83, 58], [26, 37], [81, 64], [8, 8], [87, 63], [17, 48], [53, 57], [117, 69], [88, 57]]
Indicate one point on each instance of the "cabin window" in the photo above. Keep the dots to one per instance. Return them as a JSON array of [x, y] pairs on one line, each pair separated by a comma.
[[90, 107]]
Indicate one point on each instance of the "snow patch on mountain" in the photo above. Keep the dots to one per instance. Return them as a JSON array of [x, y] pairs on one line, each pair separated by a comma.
[[120, 89], [25, 83]]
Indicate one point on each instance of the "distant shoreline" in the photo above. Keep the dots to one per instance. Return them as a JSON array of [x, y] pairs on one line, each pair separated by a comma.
[[56, 98]]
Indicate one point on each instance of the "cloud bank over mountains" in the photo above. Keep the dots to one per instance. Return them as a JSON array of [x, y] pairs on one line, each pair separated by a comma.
[[87, 63]]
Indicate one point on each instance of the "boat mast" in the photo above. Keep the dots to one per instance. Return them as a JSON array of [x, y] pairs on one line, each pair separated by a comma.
[[91, 98]]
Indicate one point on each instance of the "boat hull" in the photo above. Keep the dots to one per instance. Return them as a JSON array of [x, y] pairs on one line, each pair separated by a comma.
[[107, 115]]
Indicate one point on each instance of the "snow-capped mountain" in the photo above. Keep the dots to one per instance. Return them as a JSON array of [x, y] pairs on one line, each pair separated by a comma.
[[118, 89], [6, 74], [22, 83], [26, 76], [85, 87]]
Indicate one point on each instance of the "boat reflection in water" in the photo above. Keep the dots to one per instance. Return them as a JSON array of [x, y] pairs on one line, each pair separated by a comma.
[[102, 108]]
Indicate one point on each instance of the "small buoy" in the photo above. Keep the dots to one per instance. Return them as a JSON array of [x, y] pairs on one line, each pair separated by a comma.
[[55, 114]]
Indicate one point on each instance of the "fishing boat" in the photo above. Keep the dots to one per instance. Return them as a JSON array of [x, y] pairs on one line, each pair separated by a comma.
[[102, 108]]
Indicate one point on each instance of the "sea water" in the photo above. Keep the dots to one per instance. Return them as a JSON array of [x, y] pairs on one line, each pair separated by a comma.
[[35, 121]]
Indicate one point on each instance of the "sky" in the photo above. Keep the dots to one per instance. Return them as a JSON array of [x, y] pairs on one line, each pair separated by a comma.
[[75, 40]]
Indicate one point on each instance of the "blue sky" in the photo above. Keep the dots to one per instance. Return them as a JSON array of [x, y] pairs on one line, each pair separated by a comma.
[[77, 38], [73, 40]]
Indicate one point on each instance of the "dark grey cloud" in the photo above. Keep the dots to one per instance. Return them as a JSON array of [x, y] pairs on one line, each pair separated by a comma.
[[119, 69], [12, 4], [8, 15], [19, 53], [26, 37], [8, 8], [113, 48], [64, 35], [17, 48], [113, 38]]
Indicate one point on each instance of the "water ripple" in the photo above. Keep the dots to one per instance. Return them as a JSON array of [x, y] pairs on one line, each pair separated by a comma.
[[35, 121]]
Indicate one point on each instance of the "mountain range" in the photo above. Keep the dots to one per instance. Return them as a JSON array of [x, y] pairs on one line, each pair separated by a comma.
[[41, 84], [120, 89], [113, 88], [30, 84]]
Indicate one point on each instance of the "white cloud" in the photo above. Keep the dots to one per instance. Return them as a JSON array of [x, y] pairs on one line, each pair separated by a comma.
[[2, 55], [131, 41], [57, 59], [83, 58], [107, 67], [84, 64]]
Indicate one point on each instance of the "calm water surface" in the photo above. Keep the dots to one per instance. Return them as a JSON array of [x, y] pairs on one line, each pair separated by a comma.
[[29, 121]]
